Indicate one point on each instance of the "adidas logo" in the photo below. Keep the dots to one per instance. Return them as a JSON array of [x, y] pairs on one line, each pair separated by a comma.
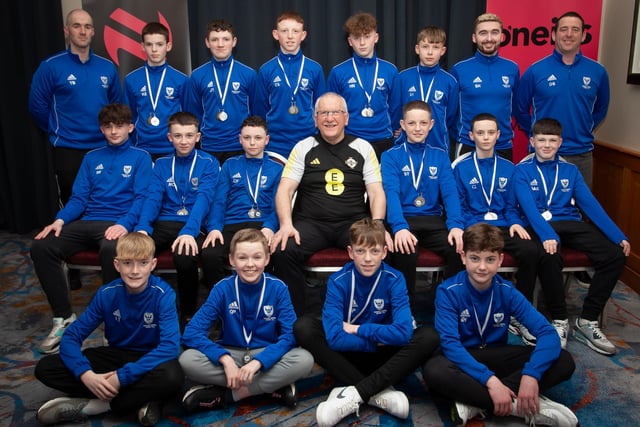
[[99, 169], [210, 85], [474, 181], [552, 78], [237, 176], [277, 79], [477, 80], [352, 81], [315, 161], [72, 79]]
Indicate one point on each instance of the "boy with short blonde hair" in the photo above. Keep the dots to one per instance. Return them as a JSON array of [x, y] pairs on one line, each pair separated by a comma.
[[251, 357], [428, 82], [365, 338], [139, 369], [288, 86]]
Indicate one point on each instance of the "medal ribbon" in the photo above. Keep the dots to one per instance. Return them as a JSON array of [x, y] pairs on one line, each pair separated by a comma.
[[247, 337], [252, 193], [154, 99], [425, 99], [286, 79], [223, 96], [366, 304], [544, 185], [482, 328], [416, 179], [487, 198], [375, 78], [173, 176]]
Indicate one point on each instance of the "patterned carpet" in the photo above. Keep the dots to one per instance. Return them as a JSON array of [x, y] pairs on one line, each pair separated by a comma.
[[603, 391]]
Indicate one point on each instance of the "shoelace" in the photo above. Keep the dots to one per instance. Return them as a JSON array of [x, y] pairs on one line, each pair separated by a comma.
[[597, 333], [348, 407]]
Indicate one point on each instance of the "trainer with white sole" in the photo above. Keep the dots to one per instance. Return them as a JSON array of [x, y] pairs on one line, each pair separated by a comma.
[[477, 369], [139, 369], [365, 338]]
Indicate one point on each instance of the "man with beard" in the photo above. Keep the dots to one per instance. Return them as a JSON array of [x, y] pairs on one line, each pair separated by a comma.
[[487, 85]]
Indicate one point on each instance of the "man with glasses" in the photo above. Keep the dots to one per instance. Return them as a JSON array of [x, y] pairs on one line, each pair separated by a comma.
[[331, 172]]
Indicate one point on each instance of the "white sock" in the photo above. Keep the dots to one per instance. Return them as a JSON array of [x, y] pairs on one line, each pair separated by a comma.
[[96, 406]]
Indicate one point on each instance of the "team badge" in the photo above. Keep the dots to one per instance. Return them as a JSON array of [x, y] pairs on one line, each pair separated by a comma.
[[148, 318], [351, 162], [126, 171]]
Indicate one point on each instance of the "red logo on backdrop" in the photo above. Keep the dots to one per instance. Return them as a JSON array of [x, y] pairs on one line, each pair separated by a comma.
[[114, 40]]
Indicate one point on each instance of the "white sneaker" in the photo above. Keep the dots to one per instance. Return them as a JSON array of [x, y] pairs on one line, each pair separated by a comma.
[[393, 401], [461, 413], [588, 332], [51, 343], [562, 328], [552, 414], [62, 409], [346, 402], [517, 328]]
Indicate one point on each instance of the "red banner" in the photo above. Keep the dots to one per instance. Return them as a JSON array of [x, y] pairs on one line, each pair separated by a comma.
[[527, 35]]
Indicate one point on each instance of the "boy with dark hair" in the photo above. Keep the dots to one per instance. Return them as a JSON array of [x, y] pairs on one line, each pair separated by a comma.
[[366, 83], [139, 369], [221, 93], [244, 198], [178, 199], [256, 352], [107, 197], [477, 369], [418, 182], [288, 87], [552, 193], [365, 338], [428, 82], [154, 91]]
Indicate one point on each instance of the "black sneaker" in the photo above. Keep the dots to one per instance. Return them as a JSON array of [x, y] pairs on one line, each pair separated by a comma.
[[150, 414], [583, 278], [288, 395], [204, 398]]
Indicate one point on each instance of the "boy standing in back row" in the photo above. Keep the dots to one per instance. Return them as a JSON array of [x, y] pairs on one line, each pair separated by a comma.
[[288, 87], [428, 82], [552, 193], [366, 83], [221, 93], [154, 92]]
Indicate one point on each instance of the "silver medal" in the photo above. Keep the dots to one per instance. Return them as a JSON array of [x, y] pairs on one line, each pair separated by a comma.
[[293, 109], [258, 213], [367, 112], [222, 116], [246, 358], [491, 216], [154, 121], [547, 215], [419, 202], [252, 213], [183, 212]]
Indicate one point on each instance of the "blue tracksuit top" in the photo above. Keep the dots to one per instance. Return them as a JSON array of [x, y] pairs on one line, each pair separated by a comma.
[[271, 324], [204, 100], [233, 199], [576, 95], [145, 322], [439, 89], [66, 96], [457, 305], [436, 185], [111, 185], [139, 98], [274, 97], [165, 193], [386, 317], [570, 195], [472, 199], [343, 80], [487, 85]]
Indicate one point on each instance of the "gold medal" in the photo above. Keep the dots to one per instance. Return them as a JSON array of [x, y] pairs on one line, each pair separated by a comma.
[[419, 202], [293, 109], [183, 212], [367, 112]]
